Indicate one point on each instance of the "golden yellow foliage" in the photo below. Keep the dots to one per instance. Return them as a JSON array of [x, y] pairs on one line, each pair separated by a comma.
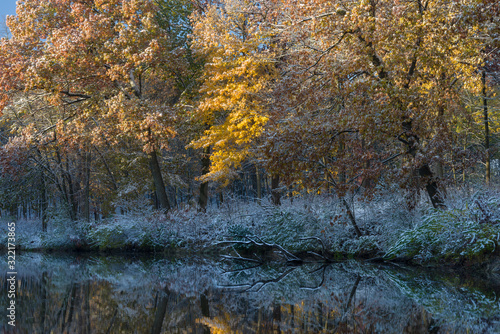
[[235, 84]]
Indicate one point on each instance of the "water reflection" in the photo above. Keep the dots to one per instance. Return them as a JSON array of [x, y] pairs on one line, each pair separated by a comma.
[[63, 294]]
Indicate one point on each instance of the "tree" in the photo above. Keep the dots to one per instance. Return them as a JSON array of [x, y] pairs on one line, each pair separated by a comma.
[[370, 81], [102, 65], [233, 101]]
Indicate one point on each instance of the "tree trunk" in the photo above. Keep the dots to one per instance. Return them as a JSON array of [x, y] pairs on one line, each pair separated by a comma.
[[221, 197], [353, 293], [205, 310], [70, 190], [342, 176], [44, 203], [205, 168], [432, 187], [350, 215], [87, 308], [161, 194], [438, 168], [367, 182], [276, 317], [72, 301], [435, 191], [486, 131], [259, 183], [86, 192], [161, 310], [275, 193], [43, 310]]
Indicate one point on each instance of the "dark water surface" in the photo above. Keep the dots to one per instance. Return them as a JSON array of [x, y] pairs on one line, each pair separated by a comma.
[[126, 294]]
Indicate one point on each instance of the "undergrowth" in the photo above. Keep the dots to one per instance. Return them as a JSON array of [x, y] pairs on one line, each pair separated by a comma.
[[468, 231]]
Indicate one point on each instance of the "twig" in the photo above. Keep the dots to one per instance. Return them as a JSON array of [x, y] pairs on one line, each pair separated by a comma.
[[233, 242]]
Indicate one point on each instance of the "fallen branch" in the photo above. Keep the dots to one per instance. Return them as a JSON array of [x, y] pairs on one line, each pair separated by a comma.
[[290, 257], [318, 255], [257, 241], [240, 258], [323, 267], [322, 246], [263, 282], [242, 269]]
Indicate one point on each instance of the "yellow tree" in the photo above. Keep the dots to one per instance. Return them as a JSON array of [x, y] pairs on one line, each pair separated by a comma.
[[357, 87], [233, 38]]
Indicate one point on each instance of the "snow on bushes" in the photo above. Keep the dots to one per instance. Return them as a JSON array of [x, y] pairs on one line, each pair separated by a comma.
[[468, 230]]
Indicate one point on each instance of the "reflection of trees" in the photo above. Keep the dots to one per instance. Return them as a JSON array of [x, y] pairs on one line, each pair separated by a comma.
[[43, 308], [161, 308], [116, 296], [467, 303], [344, 304]]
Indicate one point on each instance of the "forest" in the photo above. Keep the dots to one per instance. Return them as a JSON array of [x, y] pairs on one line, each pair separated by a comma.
[[333, 128]]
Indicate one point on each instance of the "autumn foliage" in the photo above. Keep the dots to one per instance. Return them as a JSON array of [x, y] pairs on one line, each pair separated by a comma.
[[121, 99]]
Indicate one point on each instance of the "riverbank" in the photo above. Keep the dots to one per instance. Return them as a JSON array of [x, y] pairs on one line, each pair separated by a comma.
[[308, 228]]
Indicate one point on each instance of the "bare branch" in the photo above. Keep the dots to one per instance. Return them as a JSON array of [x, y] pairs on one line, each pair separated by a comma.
[[239, 258], [263, 282], [54, 125], [290, 256], [322, 279], [315, 17], [68, 93], [319, 240]]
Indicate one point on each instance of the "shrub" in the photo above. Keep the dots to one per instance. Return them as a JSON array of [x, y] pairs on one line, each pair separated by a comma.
[[287, 229], [466, 231]]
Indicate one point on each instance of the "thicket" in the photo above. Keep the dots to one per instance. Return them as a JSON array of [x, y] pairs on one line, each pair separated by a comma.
[[310, 228]]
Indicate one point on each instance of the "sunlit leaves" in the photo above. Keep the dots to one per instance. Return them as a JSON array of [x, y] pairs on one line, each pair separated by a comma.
[[100, 68], [236, 81]]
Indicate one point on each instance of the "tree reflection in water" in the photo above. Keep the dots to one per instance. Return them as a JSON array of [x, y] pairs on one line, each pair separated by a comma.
[[62, 294]]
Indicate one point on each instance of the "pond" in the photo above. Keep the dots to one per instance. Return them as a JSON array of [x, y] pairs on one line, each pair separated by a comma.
[[133, 294]]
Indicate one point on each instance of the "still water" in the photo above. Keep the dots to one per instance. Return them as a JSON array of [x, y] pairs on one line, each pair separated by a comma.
[[127, 294]]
